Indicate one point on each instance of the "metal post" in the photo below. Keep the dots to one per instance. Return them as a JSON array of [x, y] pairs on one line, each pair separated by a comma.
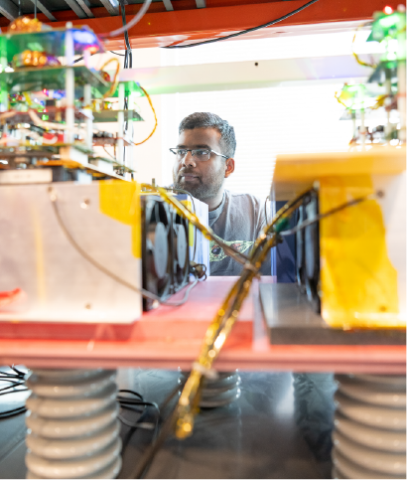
[[362, 128], [387, 83], [120, 121], [3, 84], [69, 85], [131, 149], [402, 73], [87, 95]]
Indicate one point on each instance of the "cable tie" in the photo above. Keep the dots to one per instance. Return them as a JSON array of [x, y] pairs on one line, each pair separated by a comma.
[[205, 372]]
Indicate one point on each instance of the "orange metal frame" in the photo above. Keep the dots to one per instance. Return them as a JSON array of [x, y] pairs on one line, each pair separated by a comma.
[[161, 28]]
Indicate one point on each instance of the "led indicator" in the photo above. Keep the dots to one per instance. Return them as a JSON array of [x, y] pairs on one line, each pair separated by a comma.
[[388, 10]]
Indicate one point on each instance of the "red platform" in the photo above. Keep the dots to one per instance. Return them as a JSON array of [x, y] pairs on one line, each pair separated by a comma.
[[171, 337]]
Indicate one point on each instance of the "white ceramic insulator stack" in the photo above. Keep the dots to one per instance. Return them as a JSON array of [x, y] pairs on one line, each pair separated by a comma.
[[73, 429], [370, 427], [220, 391]]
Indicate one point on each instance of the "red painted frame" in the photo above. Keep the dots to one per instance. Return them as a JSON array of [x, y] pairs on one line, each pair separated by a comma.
[[172, 337], [161, 28]]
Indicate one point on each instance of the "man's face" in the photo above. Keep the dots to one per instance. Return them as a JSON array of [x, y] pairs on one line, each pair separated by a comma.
[[202, 179]]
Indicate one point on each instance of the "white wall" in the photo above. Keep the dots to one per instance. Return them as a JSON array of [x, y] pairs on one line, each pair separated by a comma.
[[285, 118]]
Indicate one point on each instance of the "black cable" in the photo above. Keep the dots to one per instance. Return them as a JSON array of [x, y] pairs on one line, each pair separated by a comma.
[[172, 394], [21, 374], [142, 291], [268, 24], [12, 413], [307, 223], [128, 63], [13, 389], [35, 8], [15, 380], [13, 384], [158, 440], [132, 392], [146, 461], [128, 403], [118, 54], [143, 466]]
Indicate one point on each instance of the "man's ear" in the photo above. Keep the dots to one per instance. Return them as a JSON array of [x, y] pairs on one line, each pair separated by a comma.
[[229, 167]]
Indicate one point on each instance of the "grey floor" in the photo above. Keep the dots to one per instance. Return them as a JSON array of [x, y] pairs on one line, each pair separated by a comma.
[[278, 428]]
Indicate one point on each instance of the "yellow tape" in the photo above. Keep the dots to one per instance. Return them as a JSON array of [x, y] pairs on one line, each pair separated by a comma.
[[121, 200], [358, 281], [188, 204]]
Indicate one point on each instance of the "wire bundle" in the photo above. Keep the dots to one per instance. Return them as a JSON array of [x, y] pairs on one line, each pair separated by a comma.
[[225, 319], [16, 380], [182, 418], [134, 402], [207, 231]]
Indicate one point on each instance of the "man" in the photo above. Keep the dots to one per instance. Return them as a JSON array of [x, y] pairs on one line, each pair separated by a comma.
[[204, 159]]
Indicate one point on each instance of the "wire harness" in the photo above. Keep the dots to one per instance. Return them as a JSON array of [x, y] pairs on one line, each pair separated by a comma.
[[237, 34], [16, 380]]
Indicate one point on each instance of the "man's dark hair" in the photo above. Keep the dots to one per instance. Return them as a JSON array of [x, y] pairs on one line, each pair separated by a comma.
[[211, 120]]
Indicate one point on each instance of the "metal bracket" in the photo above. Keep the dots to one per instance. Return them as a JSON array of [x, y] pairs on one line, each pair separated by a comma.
[[85, 8], [112, 6], [8, 9], [76, 8], [168, 5], [44, 10]]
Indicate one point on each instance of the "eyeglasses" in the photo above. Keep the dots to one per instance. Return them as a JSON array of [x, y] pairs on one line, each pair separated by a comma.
[[199, 154]]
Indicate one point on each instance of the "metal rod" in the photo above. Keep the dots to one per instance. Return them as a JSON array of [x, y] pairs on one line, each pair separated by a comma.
[[120, 121], [69, 85]]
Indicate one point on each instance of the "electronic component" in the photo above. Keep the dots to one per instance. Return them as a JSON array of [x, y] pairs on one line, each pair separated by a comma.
[[30, 58], [27, 25], [180, 251], [307, 249], [352, 265], [351, 233], [47, 139], [156, 248], [165, 251]]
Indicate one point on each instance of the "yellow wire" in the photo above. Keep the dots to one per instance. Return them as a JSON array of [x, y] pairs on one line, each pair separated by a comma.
[[113, 87], [360, 62], [155, 116], [207, 231], [379, 102], [221, 326], [340, 101], [28, 99]]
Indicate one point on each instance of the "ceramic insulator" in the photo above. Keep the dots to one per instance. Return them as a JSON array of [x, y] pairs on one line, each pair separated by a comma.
[[218, 392], [73, 430], [370, 427]]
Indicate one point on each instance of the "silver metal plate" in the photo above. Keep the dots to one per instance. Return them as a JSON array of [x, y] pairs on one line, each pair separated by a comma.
[[30, 175], [58, 283]]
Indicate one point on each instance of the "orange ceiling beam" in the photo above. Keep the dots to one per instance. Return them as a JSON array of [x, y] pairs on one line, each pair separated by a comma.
[[161, 28]]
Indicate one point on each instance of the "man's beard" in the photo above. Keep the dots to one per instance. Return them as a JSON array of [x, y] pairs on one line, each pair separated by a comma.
[[200, 190]]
